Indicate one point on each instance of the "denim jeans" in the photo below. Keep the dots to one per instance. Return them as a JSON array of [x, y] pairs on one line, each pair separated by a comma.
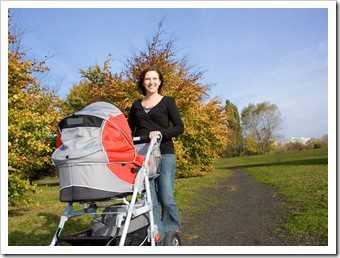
[[162, 191]]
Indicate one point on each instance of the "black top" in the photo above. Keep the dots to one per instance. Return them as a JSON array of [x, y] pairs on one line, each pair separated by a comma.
[[157, 119]]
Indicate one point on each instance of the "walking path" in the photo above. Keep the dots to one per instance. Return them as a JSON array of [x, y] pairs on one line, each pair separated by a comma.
[[239, 211]]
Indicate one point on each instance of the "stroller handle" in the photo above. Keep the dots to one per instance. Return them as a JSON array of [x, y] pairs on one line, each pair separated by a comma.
[[145, 138]]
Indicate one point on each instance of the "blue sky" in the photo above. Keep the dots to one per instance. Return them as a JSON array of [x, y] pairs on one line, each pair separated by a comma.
[[249, 55]]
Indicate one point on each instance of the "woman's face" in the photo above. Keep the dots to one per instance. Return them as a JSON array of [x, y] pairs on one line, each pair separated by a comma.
[[151, 82]]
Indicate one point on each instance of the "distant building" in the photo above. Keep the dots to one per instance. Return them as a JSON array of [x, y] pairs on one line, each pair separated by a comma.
[[302, 140]]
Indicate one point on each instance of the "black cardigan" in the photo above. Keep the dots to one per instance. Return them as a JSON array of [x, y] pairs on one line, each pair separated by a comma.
[[157, 119]]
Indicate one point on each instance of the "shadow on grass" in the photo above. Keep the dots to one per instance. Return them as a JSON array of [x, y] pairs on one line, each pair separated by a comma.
[[43, 235], [48, 184], [317, 161], [17, 211]]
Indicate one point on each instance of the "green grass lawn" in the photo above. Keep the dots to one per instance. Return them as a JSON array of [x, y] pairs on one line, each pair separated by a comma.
[[35, 224], [300, 177]]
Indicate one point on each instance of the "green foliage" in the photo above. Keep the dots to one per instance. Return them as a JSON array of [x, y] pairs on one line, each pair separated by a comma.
[[18, 188], [252, 147], [33, 114], [205, 135], [234, 121], [235, 139], [314, 144]]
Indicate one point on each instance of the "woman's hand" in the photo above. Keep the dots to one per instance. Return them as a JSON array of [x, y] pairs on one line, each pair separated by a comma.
[[153, 133]]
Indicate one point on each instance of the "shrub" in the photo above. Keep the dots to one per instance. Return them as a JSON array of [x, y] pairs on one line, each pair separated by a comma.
[[314, 144], [252, 147], [294, 146]]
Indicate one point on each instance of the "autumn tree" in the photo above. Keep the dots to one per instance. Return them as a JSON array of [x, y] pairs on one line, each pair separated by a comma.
[[33, 114], [205, 123], [235, 139], [261, 125], [100, 84]]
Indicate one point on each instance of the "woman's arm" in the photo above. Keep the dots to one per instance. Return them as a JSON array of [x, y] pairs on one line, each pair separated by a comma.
[[176, 121]]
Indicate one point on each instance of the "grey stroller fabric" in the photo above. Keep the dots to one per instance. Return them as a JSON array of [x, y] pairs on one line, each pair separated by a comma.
[[155, 157]]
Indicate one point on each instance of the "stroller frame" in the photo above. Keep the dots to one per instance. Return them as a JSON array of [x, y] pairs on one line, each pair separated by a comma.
[[132, 208]]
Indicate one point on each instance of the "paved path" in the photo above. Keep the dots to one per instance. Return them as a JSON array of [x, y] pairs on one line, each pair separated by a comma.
[[241, 212]]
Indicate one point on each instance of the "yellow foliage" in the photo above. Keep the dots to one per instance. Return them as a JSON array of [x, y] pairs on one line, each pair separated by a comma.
[[252, 147], [33, 115]]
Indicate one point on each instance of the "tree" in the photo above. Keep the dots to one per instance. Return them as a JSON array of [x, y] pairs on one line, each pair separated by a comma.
[[33, 114], [205, 123], [235, 142], [262, 123], [100, 84], [324, 141]]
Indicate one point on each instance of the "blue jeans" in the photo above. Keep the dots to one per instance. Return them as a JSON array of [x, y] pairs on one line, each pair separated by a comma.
[[162, 191]]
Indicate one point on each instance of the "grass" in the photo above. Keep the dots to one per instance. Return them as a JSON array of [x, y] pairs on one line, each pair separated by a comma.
[[35, 225], [187, 191], [300, 177]]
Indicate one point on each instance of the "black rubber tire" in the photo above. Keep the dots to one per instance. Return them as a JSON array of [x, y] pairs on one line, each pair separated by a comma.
[[175, 240]]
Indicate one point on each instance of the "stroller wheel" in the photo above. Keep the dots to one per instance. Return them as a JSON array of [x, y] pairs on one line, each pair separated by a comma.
[[172, 239], [176, 241]]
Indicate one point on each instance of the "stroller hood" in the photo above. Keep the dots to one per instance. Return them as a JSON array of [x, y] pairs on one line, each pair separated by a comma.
[[95, 154]]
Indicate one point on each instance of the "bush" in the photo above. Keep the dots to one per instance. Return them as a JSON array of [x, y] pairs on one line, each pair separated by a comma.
[[252, 147], [294, 146], [18, 188], [314, 144]]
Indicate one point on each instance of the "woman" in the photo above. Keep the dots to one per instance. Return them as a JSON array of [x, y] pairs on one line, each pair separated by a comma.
[[149, 116]]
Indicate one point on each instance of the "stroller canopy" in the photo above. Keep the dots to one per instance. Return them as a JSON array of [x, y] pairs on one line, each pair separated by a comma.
[[95, 154]]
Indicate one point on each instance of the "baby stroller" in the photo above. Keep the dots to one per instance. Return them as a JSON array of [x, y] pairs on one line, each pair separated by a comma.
[[98, 163]]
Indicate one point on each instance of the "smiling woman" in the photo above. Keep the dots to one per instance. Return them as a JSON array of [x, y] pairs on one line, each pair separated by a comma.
[[150, 116]]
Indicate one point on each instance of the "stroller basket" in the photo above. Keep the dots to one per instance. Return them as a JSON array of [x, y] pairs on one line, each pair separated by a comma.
[[86, 238]]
